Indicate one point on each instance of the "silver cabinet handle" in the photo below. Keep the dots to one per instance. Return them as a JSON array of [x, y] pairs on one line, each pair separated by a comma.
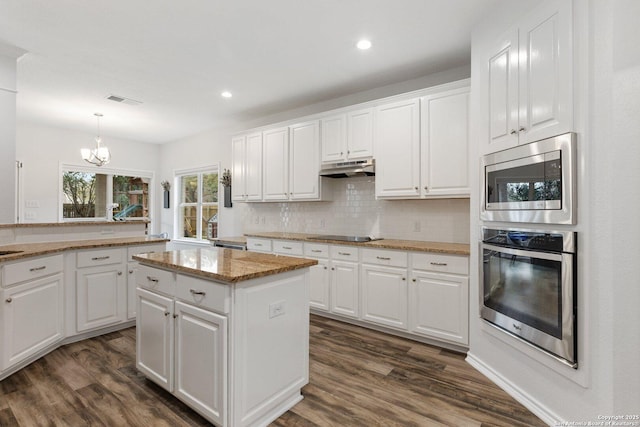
[[384, 258], [516, 327], [344, 253], [439, 263], [9, 300], [100, 258], [152, 279], [522, 129], [513, 132], [194, 292], [287, 247], [38, 268], [316, 251], [258, 244]]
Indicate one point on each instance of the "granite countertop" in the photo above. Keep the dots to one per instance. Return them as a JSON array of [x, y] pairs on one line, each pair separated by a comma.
[[225, 265], [73, 223], [43, 248], [406, 245]]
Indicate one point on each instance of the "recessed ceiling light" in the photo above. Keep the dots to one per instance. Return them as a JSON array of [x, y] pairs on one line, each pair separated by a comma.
[[363, 44], [226, 94]]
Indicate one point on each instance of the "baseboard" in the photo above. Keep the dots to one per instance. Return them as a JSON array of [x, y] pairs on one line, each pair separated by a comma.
[[528, 401]]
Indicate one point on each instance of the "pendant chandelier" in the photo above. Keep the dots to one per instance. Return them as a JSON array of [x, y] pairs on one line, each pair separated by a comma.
[[99, 155]]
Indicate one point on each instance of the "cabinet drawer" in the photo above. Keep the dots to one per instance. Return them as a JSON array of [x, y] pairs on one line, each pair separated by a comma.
[[154, 279], [203, 293], [31, 269], [316, 250], [443, 263], [258, 245], [144, 249], [348, 253], [287, 247], [99, 257], [384, 257]]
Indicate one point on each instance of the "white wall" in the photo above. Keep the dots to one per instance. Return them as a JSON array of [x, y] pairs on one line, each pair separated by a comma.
[[7, 137], [42, 149], [607, 89]]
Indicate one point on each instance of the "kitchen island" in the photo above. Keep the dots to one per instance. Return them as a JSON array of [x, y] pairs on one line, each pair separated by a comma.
[[225, 331]]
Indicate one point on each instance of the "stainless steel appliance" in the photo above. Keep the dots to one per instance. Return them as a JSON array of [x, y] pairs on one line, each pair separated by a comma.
[[528, 287], [351, 168], [534, 183]]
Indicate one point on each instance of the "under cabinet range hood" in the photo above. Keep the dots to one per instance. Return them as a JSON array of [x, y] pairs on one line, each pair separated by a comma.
[[347, 169]]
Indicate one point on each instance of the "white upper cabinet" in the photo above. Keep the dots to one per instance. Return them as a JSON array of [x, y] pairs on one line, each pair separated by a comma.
[[275, 165], [304, 161], [530, 78], [397, 147], [445, 144], [247, 167], [347, 136]]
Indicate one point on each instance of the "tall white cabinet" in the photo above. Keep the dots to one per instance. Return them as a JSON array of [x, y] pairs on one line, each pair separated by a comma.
[[247, 167], [529, 78]]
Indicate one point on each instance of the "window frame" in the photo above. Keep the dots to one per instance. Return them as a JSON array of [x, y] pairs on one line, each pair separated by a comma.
[[70, 167], [177, 202]]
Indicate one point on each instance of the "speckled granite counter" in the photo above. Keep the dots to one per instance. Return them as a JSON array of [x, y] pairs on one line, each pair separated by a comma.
[[406, 245], [36, 249], [226, 265]]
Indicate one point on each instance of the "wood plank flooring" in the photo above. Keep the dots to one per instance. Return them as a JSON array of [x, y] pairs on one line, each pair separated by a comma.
[[358, 377]]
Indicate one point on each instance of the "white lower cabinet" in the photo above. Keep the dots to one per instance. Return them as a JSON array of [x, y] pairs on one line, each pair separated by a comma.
[[132, 267], [101, 296], [319, 293], [384, 295], [32, 318], [439, 302], [345, 288], [154, 340], [201, 353]]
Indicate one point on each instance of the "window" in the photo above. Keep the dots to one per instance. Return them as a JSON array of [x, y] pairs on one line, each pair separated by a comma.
[[197, 213], [115, 195]]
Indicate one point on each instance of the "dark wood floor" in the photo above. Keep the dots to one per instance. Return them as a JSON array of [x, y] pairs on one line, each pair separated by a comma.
[[358, 377]]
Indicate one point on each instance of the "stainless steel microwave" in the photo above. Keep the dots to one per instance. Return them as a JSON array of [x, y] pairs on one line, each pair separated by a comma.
[[534, 183]]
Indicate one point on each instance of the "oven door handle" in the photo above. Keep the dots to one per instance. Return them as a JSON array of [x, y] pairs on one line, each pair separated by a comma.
[[522, 253]]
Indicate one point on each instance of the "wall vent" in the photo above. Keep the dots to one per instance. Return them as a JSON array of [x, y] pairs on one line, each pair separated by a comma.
[[123, 100]]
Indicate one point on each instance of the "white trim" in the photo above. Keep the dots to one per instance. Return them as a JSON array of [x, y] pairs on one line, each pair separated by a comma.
[[528, 401], [177, 173]]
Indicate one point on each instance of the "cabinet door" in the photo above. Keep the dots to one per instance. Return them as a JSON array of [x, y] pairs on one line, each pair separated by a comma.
[[397, 149], [238, 189], [132, 267], [275, 164], [101, 296], [154, 338], [384, 295], [445, 144], [503, 93], [32, 318], [333, 138], [545, 66], [344, 288], [253, 167], [439, 306], [304, 165], [320, 286], [360, 134], [201, 360]]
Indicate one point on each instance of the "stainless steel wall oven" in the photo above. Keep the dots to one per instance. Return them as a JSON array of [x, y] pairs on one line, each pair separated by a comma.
[[534, 183], [528, 287]]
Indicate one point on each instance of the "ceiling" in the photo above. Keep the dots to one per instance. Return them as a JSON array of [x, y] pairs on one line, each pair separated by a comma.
[[176, 57]]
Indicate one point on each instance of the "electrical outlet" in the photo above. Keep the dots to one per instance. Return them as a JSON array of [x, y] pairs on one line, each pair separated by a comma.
[[256, 220], [416, 226], [30, 215], [276, 309], [322, 223], [107, 231], [263, 220], [32, 204]]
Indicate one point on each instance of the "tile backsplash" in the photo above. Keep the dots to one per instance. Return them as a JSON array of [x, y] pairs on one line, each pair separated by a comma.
[[354, 210]]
